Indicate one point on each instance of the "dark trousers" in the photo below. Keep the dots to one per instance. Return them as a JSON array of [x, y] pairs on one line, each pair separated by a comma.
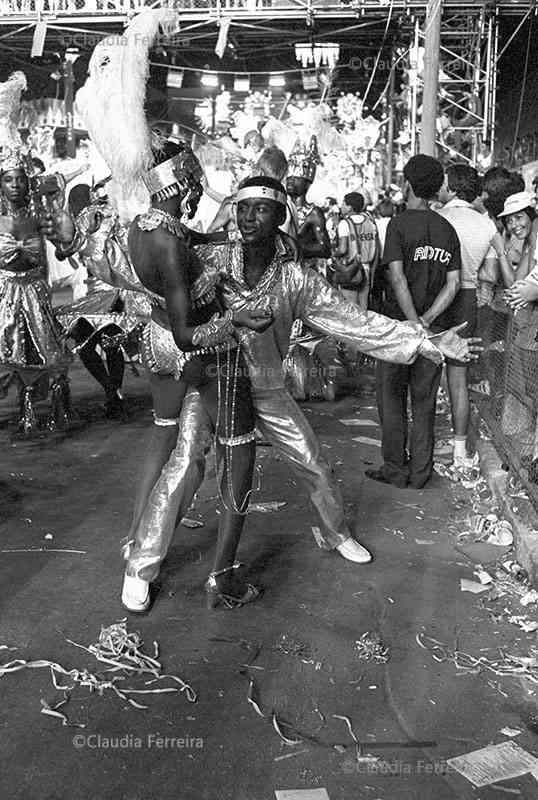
[[394, 381]]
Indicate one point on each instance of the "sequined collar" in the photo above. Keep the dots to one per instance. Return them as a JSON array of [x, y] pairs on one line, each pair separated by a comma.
[[267, 280], [155, 217]]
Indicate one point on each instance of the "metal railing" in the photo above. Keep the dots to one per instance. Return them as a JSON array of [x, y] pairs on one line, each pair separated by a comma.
[[299, 8]]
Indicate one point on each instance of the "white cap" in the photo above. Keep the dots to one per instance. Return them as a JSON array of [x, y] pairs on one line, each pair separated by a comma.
[[517, 202]]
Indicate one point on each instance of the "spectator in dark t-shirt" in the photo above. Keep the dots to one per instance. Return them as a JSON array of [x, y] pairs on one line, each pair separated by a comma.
[[422, 271]]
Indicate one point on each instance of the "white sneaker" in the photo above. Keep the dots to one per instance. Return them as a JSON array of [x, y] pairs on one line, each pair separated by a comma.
[[354, 551], [135, 594]]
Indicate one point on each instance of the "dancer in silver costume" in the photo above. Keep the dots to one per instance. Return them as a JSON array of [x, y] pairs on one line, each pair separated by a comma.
[[32, 352], [189, 342], [110, 316], [258, 274]]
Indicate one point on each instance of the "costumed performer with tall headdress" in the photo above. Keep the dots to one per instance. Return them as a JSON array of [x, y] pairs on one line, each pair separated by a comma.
[[308, 375], [110, 316], [190, 341], [31, 348]]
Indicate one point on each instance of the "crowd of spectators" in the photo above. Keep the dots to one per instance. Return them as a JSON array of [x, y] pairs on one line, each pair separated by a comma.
[[452, 248]]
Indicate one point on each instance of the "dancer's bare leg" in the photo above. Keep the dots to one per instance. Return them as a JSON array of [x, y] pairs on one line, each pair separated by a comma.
[[235, 495]]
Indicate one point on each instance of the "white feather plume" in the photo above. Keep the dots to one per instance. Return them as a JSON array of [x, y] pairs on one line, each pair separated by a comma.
[[111, 101]]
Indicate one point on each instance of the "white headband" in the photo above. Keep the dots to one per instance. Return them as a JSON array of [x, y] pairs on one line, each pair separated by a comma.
[[260, 193]]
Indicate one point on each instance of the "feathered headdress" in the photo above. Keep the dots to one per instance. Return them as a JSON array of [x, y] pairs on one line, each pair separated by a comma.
[[303, 160], [112, 105], [11, 147]]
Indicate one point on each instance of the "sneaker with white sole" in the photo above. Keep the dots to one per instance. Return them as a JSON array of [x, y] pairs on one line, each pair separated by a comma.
[[135, 594], [354, 551]]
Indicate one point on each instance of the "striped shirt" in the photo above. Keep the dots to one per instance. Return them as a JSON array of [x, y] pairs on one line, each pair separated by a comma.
[[476, 232]]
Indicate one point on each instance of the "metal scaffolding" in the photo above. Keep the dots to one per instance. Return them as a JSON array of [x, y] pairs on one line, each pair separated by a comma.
[[467, 82]]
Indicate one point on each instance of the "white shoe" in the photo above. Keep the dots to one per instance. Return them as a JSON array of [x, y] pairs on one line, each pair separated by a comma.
[[354, 551], [135, 594]]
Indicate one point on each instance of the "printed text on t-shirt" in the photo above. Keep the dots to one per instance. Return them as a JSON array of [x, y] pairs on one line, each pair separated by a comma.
[[428, 253]]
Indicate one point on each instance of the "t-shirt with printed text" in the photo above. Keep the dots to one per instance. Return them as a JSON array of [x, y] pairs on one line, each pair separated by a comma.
[[429, 248]]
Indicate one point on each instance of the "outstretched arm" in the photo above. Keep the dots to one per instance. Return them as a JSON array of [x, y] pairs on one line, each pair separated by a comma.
[[324, 309]]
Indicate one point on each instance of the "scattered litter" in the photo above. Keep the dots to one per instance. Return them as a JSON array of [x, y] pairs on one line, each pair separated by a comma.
[[191, 523], [318, 537], [496, 762], [490, 529], [301, 794], [264, 508], [530, 597], [506, 666], [483, 576], [122, 651], [367, 440], [53, 712], [502, 535], [511, 731], [290, 755], [291, 647], [370, 648], [467, 585], [515, 569], [347, 720], [469, 476], [526, 625], [369, 423]]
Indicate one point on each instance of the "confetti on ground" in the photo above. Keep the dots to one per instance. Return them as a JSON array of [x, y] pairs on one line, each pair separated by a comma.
[[370, 648], [472, 586], [509, 666], [367, 423], [122, 651], [318, 536], [511, 731], [290, 755], [265, 508]]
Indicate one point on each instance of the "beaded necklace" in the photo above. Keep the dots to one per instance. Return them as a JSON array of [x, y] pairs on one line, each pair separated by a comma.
[[236, 267], [155, 217]]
